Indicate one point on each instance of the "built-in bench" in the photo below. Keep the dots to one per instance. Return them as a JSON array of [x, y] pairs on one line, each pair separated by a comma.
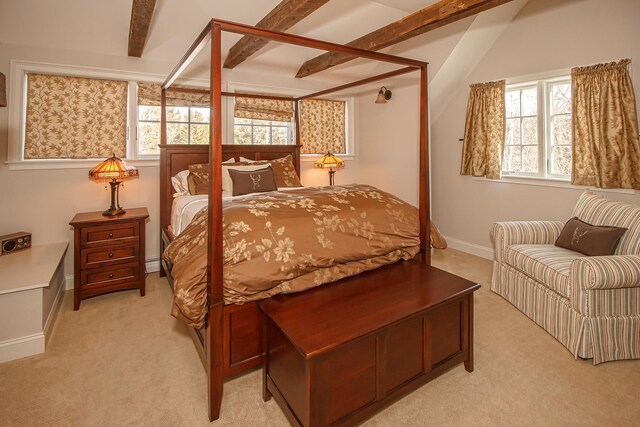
[[340, 352], [32, 284]]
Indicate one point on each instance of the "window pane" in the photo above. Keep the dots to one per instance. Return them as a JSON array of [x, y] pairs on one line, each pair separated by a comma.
[[261, 135], [561, 160], [530, 159], [178, 114], [512, 159], [199, 115], [530, 102], [512, 103], [177, 133], [513, 132], [241, 121], [199, 134], [149, 113], [148, 138], [242, 135], [530, 131], [279, 135], [561, 130], [561, 98]]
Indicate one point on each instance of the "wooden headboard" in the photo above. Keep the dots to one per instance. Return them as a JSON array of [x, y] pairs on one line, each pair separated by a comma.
[[177, 157]]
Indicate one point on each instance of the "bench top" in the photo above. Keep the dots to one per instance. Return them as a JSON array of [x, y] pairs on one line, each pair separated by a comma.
[[323, 318], [30, 268]]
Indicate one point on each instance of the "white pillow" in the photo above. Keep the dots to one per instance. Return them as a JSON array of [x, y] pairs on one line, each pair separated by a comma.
[[227, 182], [231, 160], [244, 159], [180, 184]]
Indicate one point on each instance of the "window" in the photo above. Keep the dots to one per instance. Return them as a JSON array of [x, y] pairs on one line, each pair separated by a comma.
[[323, 126], [538, 129], [74, 117], [185, 125], [254, 131]]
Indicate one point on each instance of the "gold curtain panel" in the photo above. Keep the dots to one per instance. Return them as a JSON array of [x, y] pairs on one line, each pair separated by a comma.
[[322, 126], [75, 118], [484, 130], [263, 109], [606, 149], [151, 94]]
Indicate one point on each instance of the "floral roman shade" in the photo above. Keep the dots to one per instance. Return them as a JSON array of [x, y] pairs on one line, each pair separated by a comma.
[[263, 109], [606, 150], [322, 126], [75, 117], [151, 94], [484, 130]]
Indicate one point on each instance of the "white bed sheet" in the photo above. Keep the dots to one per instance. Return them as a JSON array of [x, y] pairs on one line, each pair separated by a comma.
[[186, 207]]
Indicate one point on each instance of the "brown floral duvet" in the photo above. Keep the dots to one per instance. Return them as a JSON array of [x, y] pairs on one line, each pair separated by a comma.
[[283, 242]]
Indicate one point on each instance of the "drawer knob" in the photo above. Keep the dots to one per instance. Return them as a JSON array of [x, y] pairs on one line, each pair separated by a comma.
[[110, 235], [110, 255], [110, 275]]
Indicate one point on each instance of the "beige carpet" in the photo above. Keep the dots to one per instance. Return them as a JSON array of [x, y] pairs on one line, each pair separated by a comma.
[[122, 360]]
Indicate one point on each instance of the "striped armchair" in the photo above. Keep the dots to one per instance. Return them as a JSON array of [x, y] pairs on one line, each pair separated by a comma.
[[590, 304]]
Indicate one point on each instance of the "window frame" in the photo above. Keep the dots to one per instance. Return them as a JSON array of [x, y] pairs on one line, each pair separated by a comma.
[[17, 112], [350, 132], [543, 86], [137, 121], [289, 126]]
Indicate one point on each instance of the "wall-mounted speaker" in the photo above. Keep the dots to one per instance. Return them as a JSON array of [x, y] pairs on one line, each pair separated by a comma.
[[14, 242]]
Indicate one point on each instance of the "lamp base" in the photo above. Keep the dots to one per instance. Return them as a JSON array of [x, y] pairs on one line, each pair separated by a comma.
[[113, 212], [114, 209]]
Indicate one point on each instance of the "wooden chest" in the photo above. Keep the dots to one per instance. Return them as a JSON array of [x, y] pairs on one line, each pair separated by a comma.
[[338, 353], [108, 253]]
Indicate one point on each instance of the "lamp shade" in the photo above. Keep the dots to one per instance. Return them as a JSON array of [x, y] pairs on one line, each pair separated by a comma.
[[112, 168], [329, 161], [384, 95]]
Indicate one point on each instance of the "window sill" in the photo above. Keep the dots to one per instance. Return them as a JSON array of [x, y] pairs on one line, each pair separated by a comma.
[[74, 164], [557, 183]]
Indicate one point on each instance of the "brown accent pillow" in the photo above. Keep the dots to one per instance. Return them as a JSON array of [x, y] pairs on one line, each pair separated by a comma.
[[285, 172], [591, 240], [246, 182], [198, 179]]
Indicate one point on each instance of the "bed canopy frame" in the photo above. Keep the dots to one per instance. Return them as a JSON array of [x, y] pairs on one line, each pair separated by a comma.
[[212, 33]]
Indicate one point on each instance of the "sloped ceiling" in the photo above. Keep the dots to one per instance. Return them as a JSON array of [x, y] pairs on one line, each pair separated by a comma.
[[102, 27]]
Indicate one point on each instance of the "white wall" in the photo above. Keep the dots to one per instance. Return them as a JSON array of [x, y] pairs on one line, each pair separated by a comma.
[[547, 35]]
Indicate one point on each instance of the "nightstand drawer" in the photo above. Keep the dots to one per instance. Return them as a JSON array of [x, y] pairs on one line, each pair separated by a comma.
[[110, 234], [104, 257], [110, 276]]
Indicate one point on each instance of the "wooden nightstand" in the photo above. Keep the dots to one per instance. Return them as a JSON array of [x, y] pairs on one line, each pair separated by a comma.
[[108, 253]]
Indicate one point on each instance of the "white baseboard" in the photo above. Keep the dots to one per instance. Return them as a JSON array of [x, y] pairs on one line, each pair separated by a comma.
[[21, 347], [470, 248], [152, 265]]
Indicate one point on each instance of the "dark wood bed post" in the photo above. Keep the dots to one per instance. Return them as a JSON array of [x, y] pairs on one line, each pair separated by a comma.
[[215, 357], [423, 176]]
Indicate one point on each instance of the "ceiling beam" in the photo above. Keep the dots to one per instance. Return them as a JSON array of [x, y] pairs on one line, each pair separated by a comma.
[[141, 13], [281, 18], [431, 17]]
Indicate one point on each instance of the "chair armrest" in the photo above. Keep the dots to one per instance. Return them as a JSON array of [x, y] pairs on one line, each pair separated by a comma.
[[606, 272], [505, 234]]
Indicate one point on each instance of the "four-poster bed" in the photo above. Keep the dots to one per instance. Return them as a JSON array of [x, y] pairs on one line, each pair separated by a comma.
[[233, 339]]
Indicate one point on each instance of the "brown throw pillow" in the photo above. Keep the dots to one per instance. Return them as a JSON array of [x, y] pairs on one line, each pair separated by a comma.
[[245, 182], [285, 172], [198, 179], [589, 239]]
